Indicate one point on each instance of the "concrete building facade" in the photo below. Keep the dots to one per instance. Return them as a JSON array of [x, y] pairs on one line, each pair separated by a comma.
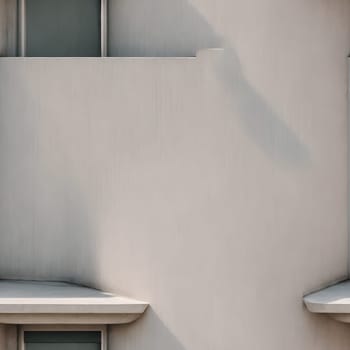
[[201, 167]]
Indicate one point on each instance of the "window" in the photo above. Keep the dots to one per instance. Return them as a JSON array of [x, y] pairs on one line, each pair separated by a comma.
[[67, 338], [62, 28]]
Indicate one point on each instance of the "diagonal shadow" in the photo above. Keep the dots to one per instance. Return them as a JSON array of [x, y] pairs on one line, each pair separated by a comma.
[[259, 120], [158, 28]]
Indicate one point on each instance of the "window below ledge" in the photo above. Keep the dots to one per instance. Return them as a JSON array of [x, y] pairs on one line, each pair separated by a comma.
[[46, 315], [28, 302], [112, 28], [62, 337], [62, 28]]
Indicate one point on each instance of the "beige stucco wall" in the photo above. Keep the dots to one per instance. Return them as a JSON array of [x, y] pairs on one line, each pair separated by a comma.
[[8, 337], [214, 188], [161, 27]]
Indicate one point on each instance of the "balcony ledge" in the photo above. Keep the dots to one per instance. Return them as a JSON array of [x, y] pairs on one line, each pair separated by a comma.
[[333, 301], [28, 302], [200, 54]]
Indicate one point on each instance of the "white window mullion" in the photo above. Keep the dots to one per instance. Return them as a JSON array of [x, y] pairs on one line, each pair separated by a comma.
[[22, 28], [104, 28]]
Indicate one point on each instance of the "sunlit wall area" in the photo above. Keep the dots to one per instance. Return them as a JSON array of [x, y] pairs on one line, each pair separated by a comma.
[[214, 187]]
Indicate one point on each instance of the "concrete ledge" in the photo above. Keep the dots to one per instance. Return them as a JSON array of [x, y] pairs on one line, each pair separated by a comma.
[[200, 54], [333, 300], [27, 302]]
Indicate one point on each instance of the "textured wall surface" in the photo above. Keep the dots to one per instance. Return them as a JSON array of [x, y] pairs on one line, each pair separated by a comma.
[[8, 337], [214, 188], [3, 25], [8, 27], [158, 28]]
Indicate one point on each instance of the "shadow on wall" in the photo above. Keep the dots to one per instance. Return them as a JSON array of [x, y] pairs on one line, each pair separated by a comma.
[[154, 28], [46, 219], [176, 28], [259, 120], [151, 333], [46, 206]]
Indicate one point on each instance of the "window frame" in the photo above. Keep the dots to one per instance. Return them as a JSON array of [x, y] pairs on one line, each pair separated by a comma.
[[58, 328], [22, 28]]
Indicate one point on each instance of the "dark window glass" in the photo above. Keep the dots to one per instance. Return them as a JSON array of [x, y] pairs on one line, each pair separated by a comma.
[[62, 340], [63, 28]]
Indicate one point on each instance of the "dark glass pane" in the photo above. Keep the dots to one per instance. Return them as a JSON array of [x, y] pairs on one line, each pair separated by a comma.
[[65, 346], [63, 28], [62, 337]]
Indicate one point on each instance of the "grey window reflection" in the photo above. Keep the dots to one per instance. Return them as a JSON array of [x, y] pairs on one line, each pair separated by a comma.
[[62, 340], [63, 28]]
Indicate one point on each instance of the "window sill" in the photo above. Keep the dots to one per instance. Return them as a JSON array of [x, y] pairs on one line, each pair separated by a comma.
[[28, 302], [200, 54], [333, 301]]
